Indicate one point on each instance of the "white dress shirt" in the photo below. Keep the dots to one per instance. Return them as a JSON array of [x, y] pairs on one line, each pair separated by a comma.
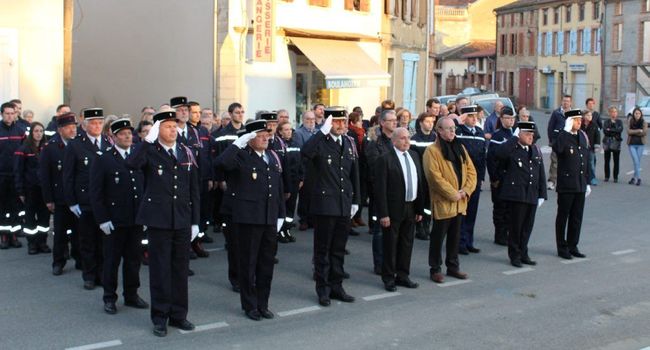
[[414, 174], [121, 151], [173, 148], [99, 141]]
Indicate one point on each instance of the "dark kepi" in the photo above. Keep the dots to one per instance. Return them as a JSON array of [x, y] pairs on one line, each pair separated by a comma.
[[178, 101], [93, 113], [117, 125]]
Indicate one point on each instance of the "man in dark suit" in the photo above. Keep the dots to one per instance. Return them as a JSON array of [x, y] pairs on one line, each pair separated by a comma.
[[572, 149], [170, 210], [257, 210], [400, 203], [334, 199], [79, 157], [115, 194]]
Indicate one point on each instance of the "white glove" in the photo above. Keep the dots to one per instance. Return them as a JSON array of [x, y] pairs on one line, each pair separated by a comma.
[[516, 132], [195, 232], [327, 126], [106, 227], [568, 124], [242, 141], [279, 224], [354, 209], [588, 192], [540, 201], [153, 132], [75, 210]]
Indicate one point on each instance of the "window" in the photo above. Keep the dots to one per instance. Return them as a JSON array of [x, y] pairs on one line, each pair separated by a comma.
[[580, 43], [647, 6], [556, 15], [481, 64], [567, 14], [586, 41], [531, 17], [391, 7], [513, 44], [504, 50], [567, 41], [521, 18], [596, 7], [618, 8], [531, 44], [520, 42], [543, 43], [560, 43], [617, 37], [594, 41], [613, 92], [555, 52], [581, 12], [512, 19], [544, 16], [407, 10], [322, 3], [357, 5], [646, 42]]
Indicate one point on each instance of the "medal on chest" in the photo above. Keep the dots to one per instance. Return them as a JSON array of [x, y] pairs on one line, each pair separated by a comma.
[[571, 150], [329, 159], [117, 178], [519, 163], [254, 174], [160, 171], [86, 161], [58, 166]]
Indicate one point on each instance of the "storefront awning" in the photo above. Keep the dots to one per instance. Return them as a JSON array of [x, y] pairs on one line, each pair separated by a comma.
[[344, 63]]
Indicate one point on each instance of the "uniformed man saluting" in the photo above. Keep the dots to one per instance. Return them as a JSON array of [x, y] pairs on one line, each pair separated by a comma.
[[170, 210], [115, 194], [334, 199], [256, 188]]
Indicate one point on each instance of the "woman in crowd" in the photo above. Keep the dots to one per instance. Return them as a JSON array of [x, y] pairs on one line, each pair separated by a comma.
[[636, 135], [612, 130], [404, 119], [590, 128], [28, 187]]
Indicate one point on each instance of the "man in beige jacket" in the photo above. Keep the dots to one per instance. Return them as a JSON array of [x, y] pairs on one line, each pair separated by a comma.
[[452, 179]]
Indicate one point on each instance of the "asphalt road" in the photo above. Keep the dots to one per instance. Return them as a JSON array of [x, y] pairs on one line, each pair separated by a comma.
[[599, 302]]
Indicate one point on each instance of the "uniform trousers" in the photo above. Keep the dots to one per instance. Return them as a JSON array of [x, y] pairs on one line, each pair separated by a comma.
[[168, 267], [123, 244], [37, 217], [9, 221], [216, 206], [451, 229], [522, 219], [303, 205], [552, 169], [90, 242], [330, 237], [207, 206], [257, 247], [232, 248], [398, 246], [65, 231], [499, 217], [469, 220], [375, 231], [568, 221], [290, 206]]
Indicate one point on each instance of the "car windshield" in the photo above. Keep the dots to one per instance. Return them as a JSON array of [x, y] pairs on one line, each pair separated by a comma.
[[488, 104]]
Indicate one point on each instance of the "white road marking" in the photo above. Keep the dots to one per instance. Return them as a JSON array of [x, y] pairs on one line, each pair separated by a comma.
[[519, 270], [298, 311], [454, 283], [214, 249], [573, 261], [632, 171], [381, 296], [102, 345], [206, 327], [623, 252]]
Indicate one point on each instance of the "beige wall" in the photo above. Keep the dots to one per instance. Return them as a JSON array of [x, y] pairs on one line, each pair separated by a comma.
[[129, 54], [483, 19], [39, 25]]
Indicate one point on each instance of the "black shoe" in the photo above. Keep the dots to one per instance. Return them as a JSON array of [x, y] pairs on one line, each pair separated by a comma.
[[564, 255], [137, 303], [282, 238], [207, 239], [606, 180], [342, 296], [235, 288], [346, 275], [390, 286], [77, 265], [473, 250], [253, 315], [198, 249], [463, 251], [353, 232], [615, 180], [190, 272], [43, 248], [266, 313], [324, 301], [276, 261], [110, 308], [377, 270], [516, 262], [89, 285], [422, 237], [14, 242], [193, 255], [160, 330], [528, 261], [631, 182], [406, 283], [184, 325], [347, 252], [291, 238], [32, 249], [576, 253], [638, 182], [499, 242], [4, 242], [57, 270]]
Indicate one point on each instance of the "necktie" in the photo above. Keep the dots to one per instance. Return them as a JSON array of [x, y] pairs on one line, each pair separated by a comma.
[[97, 143], [183, 134], [409, 179], [126, 155], [473, 131], [171, 154]]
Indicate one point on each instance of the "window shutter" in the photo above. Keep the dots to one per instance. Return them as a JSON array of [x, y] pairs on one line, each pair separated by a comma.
[[560, 43], [586, 41], [573, 42]]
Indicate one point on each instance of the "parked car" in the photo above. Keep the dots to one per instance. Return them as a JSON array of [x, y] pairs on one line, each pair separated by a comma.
[[444, 99], [482, 96], [644, 104], [488, 103], [470, 91]]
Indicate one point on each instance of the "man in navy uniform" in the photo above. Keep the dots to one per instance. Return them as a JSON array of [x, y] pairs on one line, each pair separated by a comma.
[[115, 194], [12, 135], [170, 210], [572, 149], [496, 171], [51, 175], [258, 210], [79, 157], [523, 189], [334, 199], [472, 137]]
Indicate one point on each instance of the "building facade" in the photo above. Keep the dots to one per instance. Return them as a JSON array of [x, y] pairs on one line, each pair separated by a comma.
[[626, 44]]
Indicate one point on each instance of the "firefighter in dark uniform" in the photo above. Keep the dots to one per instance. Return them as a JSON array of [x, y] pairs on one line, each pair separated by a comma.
[[423, 138], [12, 135], [79, 157], [473, 138], [523, 189], [257, 191], [115, 193], [496, 172], [170, 211], [295, 171], [28, 186], [334, 199], [573, 172], [51, 175]]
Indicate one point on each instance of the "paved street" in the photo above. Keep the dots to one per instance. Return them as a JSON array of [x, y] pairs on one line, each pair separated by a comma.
[[599, 302]]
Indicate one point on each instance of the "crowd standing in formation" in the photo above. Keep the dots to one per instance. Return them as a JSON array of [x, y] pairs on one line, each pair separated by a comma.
[[148, 193]]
